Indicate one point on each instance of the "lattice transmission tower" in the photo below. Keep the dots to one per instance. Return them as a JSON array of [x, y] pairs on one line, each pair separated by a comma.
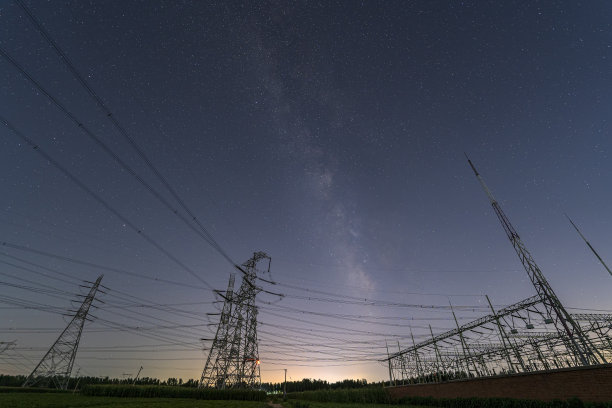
[[584, 351], [56, 365], [233, 359]]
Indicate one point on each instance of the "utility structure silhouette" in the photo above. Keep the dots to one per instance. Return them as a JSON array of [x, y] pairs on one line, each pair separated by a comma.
[[56, 366], [233, 359], [578, 342], [533, 334], [589, 245]]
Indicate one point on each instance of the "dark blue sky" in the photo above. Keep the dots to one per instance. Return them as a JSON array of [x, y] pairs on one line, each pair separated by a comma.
[[330, 136]]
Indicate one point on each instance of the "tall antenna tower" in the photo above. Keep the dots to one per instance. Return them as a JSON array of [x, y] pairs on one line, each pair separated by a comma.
[[577, 341], [56, 365], [233, 360]]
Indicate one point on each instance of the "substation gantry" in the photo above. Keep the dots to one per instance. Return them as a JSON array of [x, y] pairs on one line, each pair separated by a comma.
[[535, 334]]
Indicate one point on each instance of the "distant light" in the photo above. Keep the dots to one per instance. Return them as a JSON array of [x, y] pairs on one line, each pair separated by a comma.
[[257, 362]]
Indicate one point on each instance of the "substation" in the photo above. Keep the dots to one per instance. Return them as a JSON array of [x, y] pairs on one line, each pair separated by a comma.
[[533, 349]]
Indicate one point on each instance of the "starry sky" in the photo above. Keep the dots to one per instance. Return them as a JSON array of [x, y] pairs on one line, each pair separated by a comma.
[[330, 135]]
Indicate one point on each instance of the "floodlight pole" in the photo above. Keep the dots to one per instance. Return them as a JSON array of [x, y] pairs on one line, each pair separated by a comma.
[[285, 386]]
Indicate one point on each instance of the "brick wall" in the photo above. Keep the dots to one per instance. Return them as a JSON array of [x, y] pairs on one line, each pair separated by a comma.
[[587, 383]]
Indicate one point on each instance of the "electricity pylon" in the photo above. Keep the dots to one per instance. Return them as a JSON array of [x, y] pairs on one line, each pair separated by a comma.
[[577, 341], [233, 359], [214, 371], [248, 365], [56, 365]]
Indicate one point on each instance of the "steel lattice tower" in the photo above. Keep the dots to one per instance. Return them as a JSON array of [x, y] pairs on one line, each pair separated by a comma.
[[577, 341], [213, 374], [56, 365], [233, 360]]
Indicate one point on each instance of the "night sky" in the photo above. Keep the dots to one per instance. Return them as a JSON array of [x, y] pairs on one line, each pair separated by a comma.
[[330, 135]]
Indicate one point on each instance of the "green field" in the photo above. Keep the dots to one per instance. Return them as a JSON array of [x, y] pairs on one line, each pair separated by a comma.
[[64, 400], [61, 400], [311, 404]]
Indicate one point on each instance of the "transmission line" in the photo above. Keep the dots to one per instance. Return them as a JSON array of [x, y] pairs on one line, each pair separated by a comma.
[[129, 299], [206, 234], [104, 203], [97, 266], [50, 292]]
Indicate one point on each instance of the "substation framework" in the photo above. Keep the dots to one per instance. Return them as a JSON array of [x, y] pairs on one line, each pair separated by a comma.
[[534, 334], [233, 358]]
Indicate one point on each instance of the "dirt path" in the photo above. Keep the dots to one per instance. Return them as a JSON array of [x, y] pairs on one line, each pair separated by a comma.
[[273, 405]]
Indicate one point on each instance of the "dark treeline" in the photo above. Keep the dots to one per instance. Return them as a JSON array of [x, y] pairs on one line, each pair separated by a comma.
[[308, 384], [292, 386], [18, 380]]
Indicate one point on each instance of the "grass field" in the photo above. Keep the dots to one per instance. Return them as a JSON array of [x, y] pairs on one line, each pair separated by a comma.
[[311, 404], [31, 400]]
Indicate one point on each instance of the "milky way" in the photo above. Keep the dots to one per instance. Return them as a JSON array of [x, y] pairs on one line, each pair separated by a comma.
[[330, 136]]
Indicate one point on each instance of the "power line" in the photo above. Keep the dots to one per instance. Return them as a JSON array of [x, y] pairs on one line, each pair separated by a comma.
[[104, 203], [131, 303], [383, 303], [50, 291], [31, 270], [97, 266], [122, 295], [352, 318], [206, 234], [300, 285]]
